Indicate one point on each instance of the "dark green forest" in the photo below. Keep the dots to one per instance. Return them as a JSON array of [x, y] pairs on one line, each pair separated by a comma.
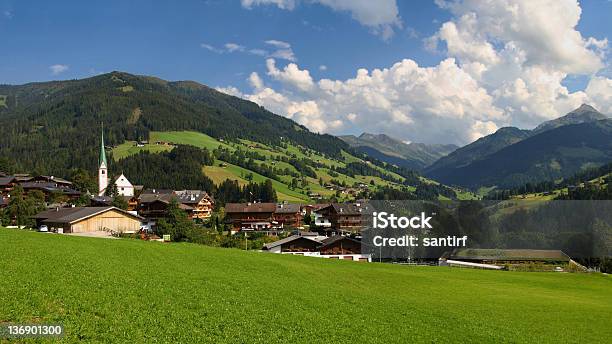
[[53, 127]]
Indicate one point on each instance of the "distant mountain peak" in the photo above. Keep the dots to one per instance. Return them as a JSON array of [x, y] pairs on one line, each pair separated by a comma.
[[584, 108], [395, 151], [583, 114]]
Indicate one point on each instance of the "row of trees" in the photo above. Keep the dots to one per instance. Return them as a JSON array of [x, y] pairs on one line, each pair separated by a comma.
[[21, 207]]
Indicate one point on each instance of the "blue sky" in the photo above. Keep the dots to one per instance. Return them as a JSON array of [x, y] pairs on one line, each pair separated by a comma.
[[165, 39], [222, 43]]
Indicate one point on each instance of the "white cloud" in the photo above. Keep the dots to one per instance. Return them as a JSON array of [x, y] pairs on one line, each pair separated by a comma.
[[381, 16], [8, 14], [291, 75], [57, 69], [282, 50], [545, 30], [283, 4], [599, 92], [232, 91], [278, 44], [258, 52], [211, 48], [322, 68], [256, 81], [232, 47], [506, 63], [432, 104]]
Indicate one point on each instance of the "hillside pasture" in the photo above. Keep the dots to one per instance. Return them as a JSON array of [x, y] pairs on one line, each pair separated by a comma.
[[134, 291]]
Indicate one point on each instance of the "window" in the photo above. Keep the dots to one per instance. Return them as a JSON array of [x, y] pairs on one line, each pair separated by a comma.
[[102, 171]]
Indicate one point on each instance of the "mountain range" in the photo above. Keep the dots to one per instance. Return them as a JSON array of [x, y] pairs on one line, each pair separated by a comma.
[[54, 127], [183, 134], [512, 156], [410, 155]]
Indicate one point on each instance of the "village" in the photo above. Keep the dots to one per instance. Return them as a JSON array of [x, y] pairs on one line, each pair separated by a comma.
[[329, 230], [324, 230]]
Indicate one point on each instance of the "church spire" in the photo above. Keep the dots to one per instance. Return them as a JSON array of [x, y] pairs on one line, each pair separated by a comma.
[[102, 152], [102, 168]]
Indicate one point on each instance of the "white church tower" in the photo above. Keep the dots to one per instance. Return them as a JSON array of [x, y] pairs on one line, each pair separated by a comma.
[[102, 169]]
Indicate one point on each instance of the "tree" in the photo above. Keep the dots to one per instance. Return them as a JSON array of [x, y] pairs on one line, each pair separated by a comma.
[[83, 180], [119, 202], [111, 190], [21, 208], [307, 219], [176, 223], [5, 165]]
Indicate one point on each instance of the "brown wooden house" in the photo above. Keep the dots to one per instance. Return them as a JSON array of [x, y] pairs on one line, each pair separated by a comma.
[[199, 201], [153, 204], [288, 215], [7, 184], [250, 216], [295, 244], [340, 245], [341, 217]]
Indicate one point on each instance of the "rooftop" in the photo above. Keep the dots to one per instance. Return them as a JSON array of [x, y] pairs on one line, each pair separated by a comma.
[[250, 207], [70, 215]]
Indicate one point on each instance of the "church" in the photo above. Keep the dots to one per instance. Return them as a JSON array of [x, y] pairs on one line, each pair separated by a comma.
[[124, 187]]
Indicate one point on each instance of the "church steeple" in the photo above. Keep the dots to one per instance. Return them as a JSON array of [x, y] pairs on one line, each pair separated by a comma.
[[102, 152], [102, 168]]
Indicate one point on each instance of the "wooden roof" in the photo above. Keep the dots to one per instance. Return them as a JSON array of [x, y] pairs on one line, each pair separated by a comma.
[[250, 208], [75, 214]]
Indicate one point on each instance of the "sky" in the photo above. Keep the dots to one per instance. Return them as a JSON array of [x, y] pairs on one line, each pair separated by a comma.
[[440, 71]]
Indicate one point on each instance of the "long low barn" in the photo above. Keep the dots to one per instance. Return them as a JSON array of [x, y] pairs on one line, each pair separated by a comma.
[[89, 219]]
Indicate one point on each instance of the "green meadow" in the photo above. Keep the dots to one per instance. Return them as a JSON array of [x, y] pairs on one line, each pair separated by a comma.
[[218, 174], [124, 290]]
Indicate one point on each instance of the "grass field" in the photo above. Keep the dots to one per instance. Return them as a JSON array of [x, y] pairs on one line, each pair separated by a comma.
[[132, 291], [129, 148], [187, 138]]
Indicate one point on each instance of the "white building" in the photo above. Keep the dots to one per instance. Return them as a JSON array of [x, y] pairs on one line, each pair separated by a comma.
[[124, 187]]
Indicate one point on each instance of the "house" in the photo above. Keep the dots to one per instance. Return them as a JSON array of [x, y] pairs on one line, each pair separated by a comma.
[[295, 244], [22, 177], [60, 182], [269, 217], [201, 203], [100, 201], [89, 219], [343, 247], [51, 189], [336, 247], [124, 187], [7, 184], [340, 217], [153, 204], [288, 215], [250, 216], [507, 258]]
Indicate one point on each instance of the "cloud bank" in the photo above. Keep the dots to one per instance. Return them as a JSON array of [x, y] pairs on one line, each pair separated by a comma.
[[505, 63]]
